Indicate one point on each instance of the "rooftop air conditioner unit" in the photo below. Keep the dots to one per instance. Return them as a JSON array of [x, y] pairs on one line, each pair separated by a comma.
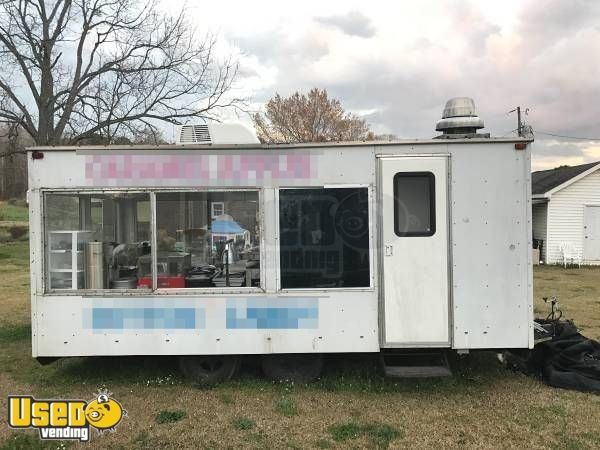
[[216, 134]]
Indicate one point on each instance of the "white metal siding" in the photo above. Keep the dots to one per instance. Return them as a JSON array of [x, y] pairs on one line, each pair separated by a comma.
[[565, 215], [490, 250], [491, 247], [540, 221]]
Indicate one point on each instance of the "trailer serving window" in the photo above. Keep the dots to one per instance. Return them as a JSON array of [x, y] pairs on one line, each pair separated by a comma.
[[414, 204], [324, 238], [104, 240], [198, 249], [96, 241]]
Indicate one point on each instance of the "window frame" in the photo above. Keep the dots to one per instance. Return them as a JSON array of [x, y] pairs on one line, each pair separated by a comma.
[[212, 209], [432, 204], [46, 291], [372, 255], [204, 290], [154, 291]]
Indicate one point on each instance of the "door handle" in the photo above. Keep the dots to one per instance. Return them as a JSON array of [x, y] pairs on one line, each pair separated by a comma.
[[389, 250]]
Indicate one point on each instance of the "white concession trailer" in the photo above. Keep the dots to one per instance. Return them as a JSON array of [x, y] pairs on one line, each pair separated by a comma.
[[208, 249]]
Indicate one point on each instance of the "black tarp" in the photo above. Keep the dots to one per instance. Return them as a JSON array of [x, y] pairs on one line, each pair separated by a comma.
[[568, 360]]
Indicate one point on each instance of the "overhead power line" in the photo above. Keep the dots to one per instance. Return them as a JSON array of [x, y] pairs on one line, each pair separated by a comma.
[[523, 129], [567, 137]]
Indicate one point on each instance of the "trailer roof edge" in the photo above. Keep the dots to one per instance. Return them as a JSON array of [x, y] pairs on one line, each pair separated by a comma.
[[275, 146]]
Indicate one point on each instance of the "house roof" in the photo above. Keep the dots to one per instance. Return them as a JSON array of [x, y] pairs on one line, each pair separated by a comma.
[[546, 180]]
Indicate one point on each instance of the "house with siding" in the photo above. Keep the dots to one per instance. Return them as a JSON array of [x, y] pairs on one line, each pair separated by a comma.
[[566, 213]]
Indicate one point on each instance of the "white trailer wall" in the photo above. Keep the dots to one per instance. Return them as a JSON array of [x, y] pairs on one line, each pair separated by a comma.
[[490, 213], [489, 248], [491, 241], [346, 319]]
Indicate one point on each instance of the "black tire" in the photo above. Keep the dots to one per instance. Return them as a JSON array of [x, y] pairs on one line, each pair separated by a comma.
[[297, 368], [210, 369]]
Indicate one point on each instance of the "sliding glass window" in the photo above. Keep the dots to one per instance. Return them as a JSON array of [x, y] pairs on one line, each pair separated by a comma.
[[96, 241], [207, 240], [324, 238]]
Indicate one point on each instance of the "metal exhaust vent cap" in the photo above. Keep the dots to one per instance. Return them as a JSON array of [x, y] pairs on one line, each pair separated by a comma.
[[460, 117], [459, 107]]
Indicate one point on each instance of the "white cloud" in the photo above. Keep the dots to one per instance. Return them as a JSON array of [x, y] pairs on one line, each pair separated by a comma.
[[400, 61], [353, 23]]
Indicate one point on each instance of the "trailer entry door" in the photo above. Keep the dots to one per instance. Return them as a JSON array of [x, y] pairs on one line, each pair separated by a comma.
[[414, 213]]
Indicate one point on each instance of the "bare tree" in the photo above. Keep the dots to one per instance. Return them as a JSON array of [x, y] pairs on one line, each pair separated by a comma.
[[73, 69], [13, 163], [148, 135], [309, 118]]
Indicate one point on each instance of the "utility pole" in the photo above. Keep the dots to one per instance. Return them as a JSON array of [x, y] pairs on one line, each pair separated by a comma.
[[519, 123]]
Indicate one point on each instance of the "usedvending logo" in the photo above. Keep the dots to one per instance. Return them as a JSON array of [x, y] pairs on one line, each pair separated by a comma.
[[65, 419]]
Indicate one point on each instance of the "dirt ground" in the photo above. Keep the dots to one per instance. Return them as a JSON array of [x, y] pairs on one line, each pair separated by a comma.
[[482, 406]]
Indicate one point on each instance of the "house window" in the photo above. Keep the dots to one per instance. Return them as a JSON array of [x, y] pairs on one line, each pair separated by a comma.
[[324, 238], [199, 246], [96, 241], [217, 209], [414, 204]]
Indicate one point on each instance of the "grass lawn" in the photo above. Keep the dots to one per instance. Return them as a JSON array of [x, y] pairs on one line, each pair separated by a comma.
[[12, 213], [482, 405]]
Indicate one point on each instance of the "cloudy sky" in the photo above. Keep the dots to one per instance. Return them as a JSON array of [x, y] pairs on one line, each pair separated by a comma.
[[396, 63]]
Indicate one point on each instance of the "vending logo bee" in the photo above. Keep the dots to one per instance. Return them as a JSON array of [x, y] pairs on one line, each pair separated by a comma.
[[65, 419]]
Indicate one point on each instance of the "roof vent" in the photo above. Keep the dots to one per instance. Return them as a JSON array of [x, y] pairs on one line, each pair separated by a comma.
[[194, 134], [216, 134], [460, 120]]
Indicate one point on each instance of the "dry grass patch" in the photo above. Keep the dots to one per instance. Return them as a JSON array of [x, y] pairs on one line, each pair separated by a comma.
[[481, 406], [14, 284], [578, 291]]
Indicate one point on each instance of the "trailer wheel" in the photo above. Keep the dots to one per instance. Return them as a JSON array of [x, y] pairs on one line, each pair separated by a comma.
[[210, 369], [297, 368]]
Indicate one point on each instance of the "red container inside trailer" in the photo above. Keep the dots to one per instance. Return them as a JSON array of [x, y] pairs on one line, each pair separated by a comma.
[[163, 282]]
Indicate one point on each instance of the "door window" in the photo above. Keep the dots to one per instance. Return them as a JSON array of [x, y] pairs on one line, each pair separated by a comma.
[[414, 204]]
